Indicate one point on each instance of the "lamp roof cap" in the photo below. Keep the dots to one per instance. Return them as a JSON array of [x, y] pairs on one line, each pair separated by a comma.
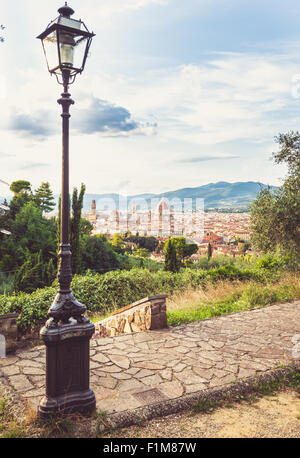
[[66, 11]]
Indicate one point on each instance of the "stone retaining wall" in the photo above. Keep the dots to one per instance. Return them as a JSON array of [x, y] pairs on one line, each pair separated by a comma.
[[8, 329], [147, 314]]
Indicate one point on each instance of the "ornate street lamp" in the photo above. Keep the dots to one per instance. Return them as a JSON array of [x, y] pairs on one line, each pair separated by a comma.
[[67, 332]]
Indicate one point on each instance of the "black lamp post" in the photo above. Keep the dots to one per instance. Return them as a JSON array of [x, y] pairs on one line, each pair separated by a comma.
[[67, 332]]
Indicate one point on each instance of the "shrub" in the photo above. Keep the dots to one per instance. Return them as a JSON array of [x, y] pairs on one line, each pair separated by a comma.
[[269, 262], [212, 263], [31, 307]]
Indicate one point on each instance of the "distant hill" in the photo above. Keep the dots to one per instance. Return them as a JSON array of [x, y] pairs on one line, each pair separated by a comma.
[[219, 195]]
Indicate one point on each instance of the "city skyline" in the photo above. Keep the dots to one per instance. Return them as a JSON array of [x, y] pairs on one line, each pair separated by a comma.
[[173, 96]]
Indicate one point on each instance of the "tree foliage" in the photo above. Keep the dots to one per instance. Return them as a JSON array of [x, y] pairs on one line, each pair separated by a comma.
[[289, 152], [34, 274], [30, 250], [44, 197], [97, 255], [118, 243], [33, 232], [184, 248], [149, 243], [142, 253], [20, 187], [275, 215]]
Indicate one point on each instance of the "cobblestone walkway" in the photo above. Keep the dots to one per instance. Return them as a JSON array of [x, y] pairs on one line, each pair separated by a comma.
[[132, 371]]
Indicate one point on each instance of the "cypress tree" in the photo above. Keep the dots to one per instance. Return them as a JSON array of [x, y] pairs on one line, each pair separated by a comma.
[[171, 261], [77, 204], [209, 251]]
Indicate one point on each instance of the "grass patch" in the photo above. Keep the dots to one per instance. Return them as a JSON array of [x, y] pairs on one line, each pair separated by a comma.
[[288, 378], [230, 297], [9, 427], [205, 405], [56, 427]]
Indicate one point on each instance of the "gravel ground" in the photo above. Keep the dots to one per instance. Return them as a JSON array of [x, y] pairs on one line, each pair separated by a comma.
[[275, 416]]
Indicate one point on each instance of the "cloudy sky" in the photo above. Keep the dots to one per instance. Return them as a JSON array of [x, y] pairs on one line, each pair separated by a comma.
[[175, 94]]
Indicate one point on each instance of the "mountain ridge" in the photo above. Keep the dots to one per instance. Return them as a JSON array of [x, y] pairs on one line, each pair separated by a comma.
[[219, 195]]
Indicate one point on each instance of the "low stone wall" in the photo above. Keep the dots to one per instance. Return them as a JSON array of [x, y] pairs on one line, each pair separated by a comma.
[[8, 329], [147, 314]]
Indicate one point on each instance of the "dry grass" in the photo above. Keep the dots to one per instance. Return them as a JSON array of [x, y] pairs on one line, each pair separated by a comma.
[[212, 292], [221, 290], [227, 297], [31, 413]]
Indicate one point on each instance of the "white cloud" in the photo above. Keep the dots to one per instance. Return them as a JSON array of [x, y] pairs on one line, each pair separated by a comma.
[[228, 98]]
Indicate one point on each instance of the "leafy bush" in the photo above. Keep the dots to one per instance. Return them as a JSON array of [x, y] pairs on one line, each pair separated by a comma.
[[128, 262], [32, 308], [269, 262], [230, 272], [34, 273]]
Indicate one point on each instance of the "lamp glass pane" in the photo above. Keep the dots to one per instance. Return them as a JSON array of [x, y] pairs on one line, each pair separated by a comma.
[[66, 44], [79, 51], [50, 48]]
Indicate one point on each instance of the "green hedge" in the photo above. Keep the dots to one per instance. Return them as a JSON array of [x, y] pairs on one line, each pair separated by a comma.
[[105, 292]]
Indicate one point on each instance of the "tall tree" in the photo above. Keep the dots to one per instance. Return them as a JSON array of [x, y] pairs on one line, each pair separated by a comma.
[[289, 153], [31, 233], [275, 215], [44, 197], [171, 262], [34, 232], [209, 251], [20, 187], [77, 204], [184, 249], [22, 195]]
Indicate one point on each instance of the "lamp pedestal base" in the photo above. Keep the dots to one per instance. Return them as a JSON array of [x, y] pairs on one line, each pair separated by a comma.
[[67, 369]]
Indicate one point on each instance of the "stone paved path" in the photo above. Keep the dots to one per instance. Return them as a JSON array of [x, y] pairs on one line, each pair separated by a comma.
[[137, 370]]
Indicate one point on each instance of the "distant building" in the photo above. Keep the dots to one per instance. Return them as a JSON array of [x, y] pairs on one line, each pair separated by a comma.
[[165, 220]]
